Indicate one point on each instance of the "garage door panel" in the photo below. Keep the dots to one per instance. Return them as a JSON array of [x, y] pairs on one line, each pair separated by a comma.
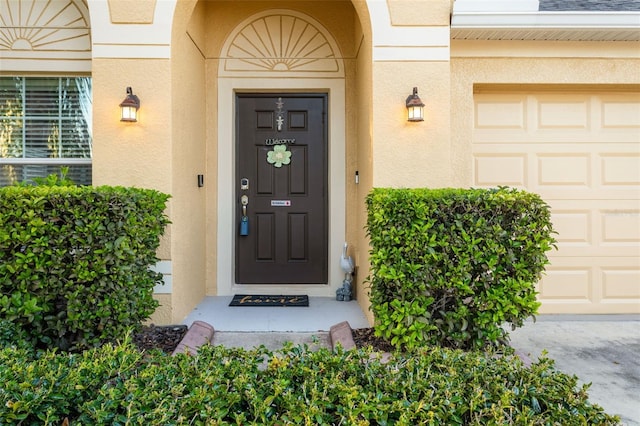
[[620, 112], [557, 117], [568, 173], [574, 228], [596, 228], [558, 173], [620, 169], [591, 285], [564, 170], [581, 153], [572, 112], [501, 169], [552, 137], [621, 227], [507, 113], [620, 284], [567, 283]]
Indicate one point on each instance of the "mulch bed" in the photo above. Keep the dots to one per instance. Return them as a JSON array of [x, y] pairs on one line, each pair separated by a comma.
[[364, 337], [165, 338]]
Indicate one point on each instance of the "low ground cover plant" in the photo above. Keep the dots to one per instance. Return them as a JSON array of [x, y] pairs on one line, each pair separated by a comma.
[[118, 385], [75, 261], [450, 267]]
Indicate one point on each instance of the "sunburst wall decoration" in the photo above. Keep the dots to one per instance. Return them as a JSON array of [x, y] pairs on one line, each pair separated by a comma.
[[281, 42], [36, 25]]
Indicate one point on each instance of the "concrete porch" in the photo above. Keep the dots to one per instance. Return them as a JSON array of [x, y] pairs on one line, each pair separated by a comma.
[[320, 315]]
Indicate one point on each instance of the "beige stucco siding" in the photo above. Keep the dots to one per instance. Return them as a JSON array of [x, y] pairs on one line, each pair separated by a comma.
[[136, 153], [189, 154], [411, 154], [356, 209]]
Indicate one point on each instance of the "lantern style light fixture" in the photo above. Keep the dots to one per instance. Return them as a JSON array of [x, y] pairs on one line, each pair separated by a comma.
[[415, 107], [129, 107]]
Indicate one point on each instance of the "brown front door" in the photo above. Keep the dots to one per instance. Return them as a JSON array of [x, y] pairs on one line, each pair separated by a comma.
[[281, 173]]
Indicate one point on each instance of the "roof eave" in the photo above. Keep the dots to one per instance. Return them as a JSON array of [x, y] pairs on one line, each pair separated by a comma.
[[547, 25]]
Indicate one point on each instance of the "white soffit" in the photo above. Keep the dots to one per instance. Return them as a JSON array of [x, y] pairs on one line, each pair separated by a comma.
[[520, 20], [496, 5]]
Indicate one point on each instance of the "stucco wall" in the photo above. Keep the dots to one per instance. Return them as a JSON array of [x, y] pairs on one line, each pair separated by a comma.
[[189, 152], [411, 154], [357, 213], [142, 150], [211, 120], [163, 313], [393, 152]]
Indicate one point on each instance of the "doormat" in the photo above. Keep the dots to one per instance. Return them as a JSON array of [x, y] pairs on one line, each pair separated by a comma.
[[269, 300]]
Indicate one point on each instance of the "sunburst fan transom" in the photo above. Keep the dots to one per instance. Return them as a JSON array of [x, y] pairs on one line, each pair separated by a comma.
[[44, 25], [281, 43]]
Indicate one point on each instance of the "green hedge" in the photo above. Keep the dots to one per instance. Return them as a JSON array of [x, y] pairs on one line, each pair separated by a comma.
[[117, 385], [451, 266], [75, 261]]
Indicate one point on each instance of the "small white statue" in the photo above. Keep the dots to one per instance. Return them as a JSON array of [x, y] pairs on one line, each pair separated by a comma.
[[346, 263]]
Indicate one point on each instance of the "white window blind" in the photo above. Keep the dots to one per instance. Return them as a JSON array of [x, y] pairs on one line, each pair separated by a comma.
[[45, 124]]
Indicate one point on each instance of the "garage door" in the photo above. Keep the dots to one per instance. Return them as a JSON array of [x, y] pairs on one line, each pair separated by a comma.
[[581, 153]]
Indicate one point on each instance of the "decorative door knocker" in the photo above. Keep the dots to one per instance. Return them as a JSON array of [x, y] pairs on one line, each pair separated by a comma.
[[279, 156]]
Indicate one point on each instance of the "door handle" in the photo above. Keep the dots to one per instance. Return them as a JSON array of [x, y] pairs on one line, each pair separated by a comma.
[[244, 200], [244, 220]]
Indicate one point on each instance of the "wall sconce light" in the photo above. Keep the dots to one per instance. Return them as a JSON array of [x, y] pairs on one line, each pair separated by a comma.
[[129, 107], [415, 107]]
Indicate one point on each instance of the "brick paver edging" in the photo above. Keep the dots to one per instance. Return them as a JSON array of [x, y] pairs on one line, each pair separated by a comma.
[[200, 333], [342, 334]]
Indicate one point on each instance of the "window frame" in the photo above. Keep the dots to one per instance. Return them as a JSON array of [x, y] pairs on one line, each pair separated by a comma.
[[48, 161]]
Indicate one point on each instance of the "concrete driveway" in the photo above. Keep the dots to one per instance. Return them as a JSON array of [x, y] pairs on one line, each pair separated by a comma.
[[603, 350]]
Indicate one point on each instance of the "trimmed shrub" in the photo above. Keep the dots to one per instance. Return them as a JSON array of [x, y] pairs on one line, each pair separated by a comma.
[[12, 335], [221, 386], [75, 261], [449, 267]]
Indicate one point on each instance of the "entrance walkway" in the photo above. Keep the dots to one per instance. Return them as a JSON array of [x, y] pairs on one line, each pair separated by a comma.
[[322, 313]]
